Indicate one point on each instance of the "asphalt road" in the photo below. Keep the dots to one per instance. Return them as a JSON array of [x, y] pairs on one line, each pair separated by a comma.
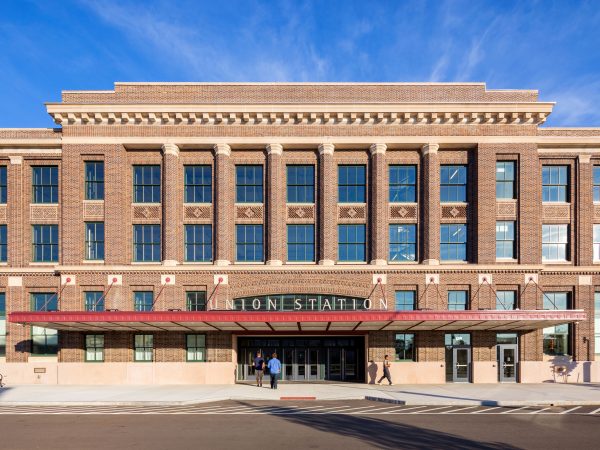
[[294, 425]]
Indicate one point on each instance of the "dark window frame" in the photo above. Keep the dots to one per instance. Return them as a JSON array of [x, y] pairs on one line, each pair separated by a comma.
[[352, 191], [402, 352], [246, 191], [147, 347], [195, 348], [555, 190], [197, 192], [360, 246], [3, 184], [406, 304], [97, 347], [203, 247], [454, 304], [4, 243], [146, 191], [94, 185], [143, 301], [307, 246], [501, 245], [195, 304], [403, 244], [242, 247], [402, 192], [51, 247], [94, 246], [300, 192], [454, 190], [94, 300], [40, 188], [154, 246], [548, 247], [504, 182], [454, 244]]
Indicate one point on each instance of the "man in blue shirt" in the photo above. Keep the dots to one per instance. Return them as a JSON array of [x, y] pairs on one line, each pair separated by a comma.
[[274, 367]]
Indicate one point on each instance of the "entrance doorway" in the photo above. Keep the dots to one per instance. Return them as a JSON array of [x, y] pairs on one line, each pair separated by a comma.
[[458, 357], [507, 354], [305, 358]]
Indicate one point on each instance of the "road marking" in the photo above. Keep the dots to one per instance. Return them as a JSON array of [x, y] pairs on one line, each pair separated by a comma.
[[540, 410], [514, 410], [488, 409], [430, 410], [569, 410], [459, 409], [402, 409], [594, 411], [378, 410]]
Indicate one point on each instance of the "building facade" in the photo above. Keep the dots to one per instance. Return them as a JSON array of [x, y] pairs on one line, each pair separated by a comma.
[[167, 232]]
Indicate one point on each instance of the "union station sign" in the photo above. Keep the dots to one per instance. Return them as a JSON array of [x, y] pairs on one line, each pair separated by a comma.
[[304, 302]]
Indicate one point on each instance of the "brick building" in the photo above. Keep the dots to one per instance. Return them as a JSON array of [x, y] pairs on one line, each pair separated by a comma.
[[188, 225]]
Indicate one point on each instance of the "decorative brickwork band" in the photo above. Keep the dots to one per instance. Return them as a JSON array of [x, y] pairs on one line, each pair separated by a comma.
[[171, 229], [275, 205], [223, 226], [327, 205], [430, 200], [378, 204]]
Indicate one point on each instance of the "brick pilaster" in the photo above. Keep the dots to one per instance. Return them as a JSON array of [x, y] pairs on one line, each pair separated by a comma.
[[275, 205], [18, 344], [431, 212], [378, 204], [530, 206], [327, 206], [484, 207], [224, 182], [171, 205], [584, 211], [15, 207]]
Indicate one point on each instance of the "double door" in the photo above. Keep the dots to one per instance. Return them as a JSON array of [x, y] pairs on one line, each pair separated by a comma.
[[303, 364]]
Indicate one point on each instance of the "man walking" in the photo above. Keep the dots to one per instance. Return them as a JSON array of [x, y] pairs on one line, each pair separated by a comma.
[[274, 366], [259, 367], [386, 370]]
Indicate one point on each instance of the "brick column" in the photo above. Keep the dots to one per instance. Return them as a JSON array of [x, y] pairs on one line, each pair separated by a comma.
[[275, 205], [223, 207], [530, 206], [171, 205], [327, 206], [15, 211], [431, 212], [584, 213], [378, 205], [18, 344], [484, 207]]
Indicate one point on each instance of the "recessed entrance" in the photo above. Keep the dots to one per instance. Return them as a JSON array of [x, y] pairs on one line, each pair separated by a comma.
[[335, 358]]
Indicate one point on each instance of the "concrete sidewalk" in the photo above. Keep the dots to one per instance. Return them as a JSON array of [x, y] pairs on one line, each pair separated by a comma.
[[446, 394]]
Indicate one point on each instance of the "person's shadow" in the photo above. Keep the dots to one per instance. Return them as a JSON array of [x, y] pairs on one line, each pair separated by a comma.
[[372, 371]]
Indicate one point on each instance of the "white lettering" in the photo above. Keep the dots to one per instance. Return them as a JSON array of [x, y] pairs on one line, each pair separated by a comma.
[[229, 304], [326, 304], [342, 302], [354, 304], [297, 304], [383, 304], [243, 304], [256, 303], [367, 304], [273, 303], [312, 303]]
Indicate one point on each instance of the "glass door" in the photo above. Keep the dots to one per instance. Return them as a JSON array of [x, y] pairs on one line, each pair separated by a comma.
[[300, 364], [350, 366], [313, 364], [507, 363], [288, 364], [335, 364], [461, 364]]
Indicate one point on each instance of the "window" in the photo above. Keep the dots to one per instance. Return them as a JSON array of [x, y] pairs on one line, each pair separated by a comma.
[[249, 243], [506, 300], [300, 184], [352, 184], [403, 242], [94, 347], [554, 184], [301, 243], [352, 243], [596, 243], [453, 183], [405, 300], [44, 301], [596, 183], [45, 243], [507, 338], [453, 243], [505, 180], [146, 184], [44, 340], [249, 184], [94, 180], [403, 184], [94, 240], [198, 184], [196, 347], [45, 184], [3, 244], [2, 324], [144, 346], [555, 240], [557, 338], [452, 339], [143, 300], [93, 300], [597, 324], [146, 243], [198, 243], [458, 301], [195, 300], [3, 184], [405, 347], [505, 240]]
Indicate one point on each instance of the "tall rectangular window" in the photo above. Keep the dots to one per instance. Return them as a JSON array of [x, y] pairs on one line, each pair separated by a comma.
[[403, 184], [453, 242], [146, 184], [405, 300], [505, 240], [555, 242], [146, 243], [458, 301], [45, 184], [596, 243], [453, 184], [352, 244], [94, 347], [505, 180], [300, 184], [301, 243], [44, 341], [249, 243], [198, 243], [403, 242], [405, 347], [143, 347], [249, 184], [197, 184], [3, 184], [45, 243], [195, 300], [557, 338], [597, 325], [94, 240], [596, 184], [143, 300], [555, 183], [93, 300], [195, 347], [506, 300], [2, 324], [3, 244], [94, 180], [352, 184]]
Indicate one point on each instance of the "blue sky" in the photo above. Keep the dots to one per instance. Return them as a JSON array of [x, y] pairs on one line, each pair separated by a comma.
[[50, 45]]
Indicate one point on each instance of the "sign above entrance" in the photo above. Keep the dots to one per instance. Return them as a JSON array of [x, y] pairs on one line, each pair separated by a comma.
[[305, 302]]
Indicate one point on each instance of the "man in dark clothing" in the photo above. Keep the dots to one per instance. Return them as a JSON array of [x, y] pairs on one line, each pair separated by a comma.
[[386, 370], [259, 367]]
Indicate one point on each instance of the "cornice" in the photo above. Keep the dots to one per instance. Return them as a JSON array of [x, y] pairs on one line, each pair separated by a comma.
[[302, 114]]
